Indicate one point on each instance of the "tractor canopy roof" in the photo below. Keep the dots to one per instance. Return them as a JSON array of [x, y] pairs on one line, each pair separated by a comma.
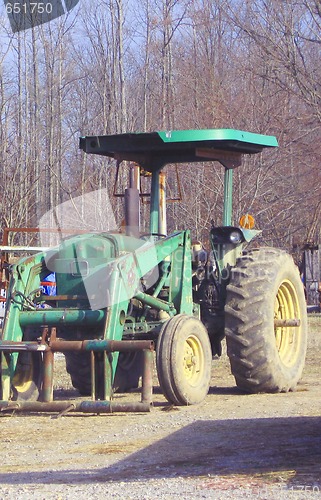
[[155, 149]]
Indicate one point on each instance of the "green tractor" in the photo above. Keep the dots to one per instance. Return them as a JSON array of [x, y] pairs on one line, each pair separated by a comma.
[[120, 293]]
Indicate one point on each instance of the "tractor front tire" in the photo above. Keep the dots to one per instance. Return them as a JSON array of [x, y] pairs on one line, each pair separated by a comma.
[[79, 368], [183, 360], [128, 372], [266, 322], [27, 380]]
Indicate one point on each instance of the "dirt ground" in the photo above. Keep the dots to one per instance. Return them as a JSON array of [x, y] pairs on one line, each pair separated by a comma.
[[261, 446]]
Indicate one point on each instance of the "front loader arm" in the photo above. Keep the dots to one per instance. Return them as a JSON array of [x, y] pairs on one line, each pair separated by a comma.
[[134, 269]]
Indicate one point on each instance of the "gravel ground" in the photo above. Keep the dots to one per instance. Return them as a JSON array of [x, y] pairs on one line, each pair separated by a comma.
[[231, 446]]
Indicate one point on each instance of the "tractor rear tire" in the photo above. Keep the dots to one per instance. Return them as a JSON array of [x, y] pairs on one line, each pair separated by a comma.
[[128, 372], [265, 286], [183, 360], [79, 368], [27, 380]]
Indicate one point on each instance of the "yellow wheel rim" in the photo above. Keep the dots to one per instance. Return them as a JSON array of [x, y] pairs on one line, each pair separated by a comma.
[[193, 359], [287, 308], [23, 377]]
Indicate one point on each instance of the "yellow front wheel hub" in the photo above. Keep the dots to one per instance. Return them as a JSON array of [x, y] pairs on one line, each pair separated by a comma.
[[287, 308], [193, 358]]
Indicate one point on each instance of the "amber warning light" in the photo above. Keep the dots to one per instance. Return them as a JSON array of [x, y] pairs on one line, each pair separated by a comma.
[[247, 221]]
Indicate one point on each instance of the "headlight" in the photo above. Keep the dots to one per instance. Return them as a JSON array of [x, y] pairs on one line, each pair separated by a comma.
[[236, 237], [227, 235]]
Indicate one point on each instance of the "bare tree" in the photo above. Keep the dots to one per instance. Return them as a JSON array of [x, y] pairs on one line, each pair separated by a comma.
[[285, 39]]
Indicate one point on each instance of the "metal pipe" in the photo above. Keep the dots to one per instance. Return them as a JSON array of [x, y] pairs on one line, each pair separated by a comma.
[[228, 197], [147, 380], [132, 211], [74, 406], [162, 223], [54, 317], [154, 203], [286, 322], [154, 302], [11, 345], [132, 202], [7, 230], [48, 365], [93, 375], [107, 376], [47, 386], [9, 249], [101, 345], [134, 176], [94, 406], [78, 345]]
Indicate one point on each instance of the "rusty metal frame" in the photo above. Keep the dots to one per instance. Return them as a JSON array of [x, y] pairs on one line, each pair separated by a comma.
[[143, 195], [117, 194], [87, 406]]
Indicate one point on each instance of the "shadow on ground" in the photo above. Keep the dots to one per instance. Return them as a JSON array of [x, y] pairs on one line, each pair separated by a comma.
[[222, 447]]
